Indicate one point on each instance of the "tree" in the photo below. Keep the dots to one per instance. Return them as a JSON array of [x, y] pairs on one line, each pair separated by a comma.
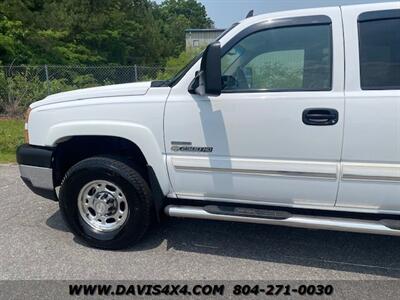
[[96, 32], [193, 11], [11, 35], [178, 15]]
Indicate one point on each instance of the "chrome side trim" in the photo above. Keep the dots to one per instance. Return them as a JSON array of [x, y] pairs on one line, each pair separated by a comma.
[[261, 167], [39, 177], [369, 178], [288, 168], [300, 221], [260, 172], [371, 172]]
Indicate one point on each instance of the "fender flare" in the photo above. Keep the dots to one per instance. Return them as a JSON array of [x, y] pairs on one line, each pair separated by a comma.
[[140, 135]]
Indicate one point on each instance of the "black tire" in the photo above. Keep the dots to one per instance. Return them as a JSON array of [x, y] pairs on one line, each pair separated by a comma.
[[132, 184]]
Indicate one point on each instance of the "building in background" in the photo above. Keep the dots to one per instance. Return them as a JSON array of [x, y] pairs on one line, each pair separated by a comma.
[[196, 38]]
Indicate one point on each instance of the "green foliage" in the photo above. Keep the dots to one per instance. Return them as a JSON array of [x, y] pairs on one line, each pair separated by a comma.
[[19, 91], [88, 32], [96, 32], [174, 64], [55, 86], [274, 75], [11, 136], [11, 35], [179, 15], [85, 81], [278, 70], [24, 85]]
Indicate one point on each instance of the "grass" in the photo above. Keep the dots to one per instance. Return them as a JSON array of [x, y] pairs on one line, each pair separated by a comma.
[[11, 136]]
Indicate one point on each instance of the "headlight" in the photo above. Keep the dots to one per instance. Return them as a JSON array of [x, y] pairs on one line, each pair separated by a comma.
[[26, 133]]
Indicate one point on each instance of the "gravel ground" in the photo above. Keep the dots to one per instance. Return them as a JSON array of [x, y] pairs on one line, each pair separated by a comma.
[[35, 244]]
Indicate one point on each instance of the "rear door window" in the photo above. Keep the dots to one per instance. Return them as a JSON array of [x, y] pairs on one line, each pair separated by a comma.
[[380, 51]]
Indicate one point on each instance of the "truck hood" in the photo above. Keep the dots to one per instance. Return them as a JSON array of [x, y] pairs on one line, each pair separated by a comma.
[[116, 90]]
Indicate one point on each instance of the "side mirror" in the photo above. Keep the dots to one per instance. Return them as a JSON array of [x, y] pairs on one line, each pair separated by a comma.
[[208, 79]]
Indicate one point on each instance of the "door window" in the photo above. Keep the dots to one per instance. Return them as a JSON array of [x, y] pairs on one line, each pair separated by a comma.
[[380, 54], [295, 58]]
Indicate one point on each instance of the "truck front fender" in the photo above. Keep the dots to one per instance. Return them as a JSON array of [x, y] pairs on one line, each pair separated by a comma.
[[140, 135]]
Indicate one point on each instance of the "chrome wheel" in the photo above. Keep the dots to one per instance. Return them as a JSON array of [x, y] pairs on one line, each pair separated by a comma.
[[103, 206]]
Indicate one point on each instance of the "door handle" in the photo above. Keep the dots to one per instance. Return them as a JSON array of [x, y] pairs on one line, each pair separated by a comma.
[[320, 116]]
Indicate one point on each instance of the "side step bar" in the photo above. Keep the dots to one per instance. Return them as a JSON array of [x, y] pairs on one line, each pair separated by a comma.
[[219, 213]]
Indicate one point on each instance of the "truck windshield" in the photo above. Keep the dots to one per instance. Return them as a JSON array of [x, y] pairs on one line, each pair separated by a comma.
[[171, 82]]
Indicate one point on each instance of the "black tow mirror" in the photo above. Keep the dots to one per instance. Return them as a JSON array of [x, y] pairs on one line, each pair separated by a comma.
[[208, 79]]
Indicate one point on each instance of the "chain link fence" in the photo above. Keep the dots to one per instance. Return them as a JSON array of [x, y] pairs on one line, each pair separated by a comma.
[[22, 85]]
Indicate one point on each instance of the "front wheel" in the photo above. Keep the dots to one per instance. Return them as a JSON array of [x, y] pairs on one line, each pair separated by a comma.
[[106, 203]]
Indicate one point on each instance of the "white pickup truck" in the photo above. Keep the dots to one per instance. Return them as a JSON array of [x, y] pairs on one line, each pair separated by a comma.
[[289, 118]]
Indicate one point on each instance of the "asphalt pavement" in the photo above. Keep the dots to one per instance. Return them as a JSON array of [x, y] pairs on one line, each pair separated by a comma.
[[36, 244]]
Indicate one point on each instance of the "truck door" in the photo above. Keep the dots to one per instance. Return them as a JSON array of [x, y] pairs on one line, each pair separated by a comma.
[[371, 150], [274, 135]]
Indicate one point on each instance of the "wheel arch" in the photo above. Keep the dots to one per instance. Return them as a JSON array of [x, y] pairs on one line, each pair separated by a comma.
[[133, 137]]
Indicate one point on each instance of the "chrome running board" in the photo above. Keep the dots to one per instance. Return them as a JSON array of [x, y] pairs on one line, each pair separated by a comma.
[[300, 221]]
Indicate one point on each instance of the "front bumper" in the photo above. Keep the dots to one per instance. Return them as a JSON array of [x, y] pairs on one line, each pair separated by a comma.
[[35, 166]]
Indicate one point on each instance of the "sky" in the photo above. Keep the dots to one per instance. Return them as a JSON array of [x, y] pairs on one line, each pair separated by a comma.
[[226, 12]]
